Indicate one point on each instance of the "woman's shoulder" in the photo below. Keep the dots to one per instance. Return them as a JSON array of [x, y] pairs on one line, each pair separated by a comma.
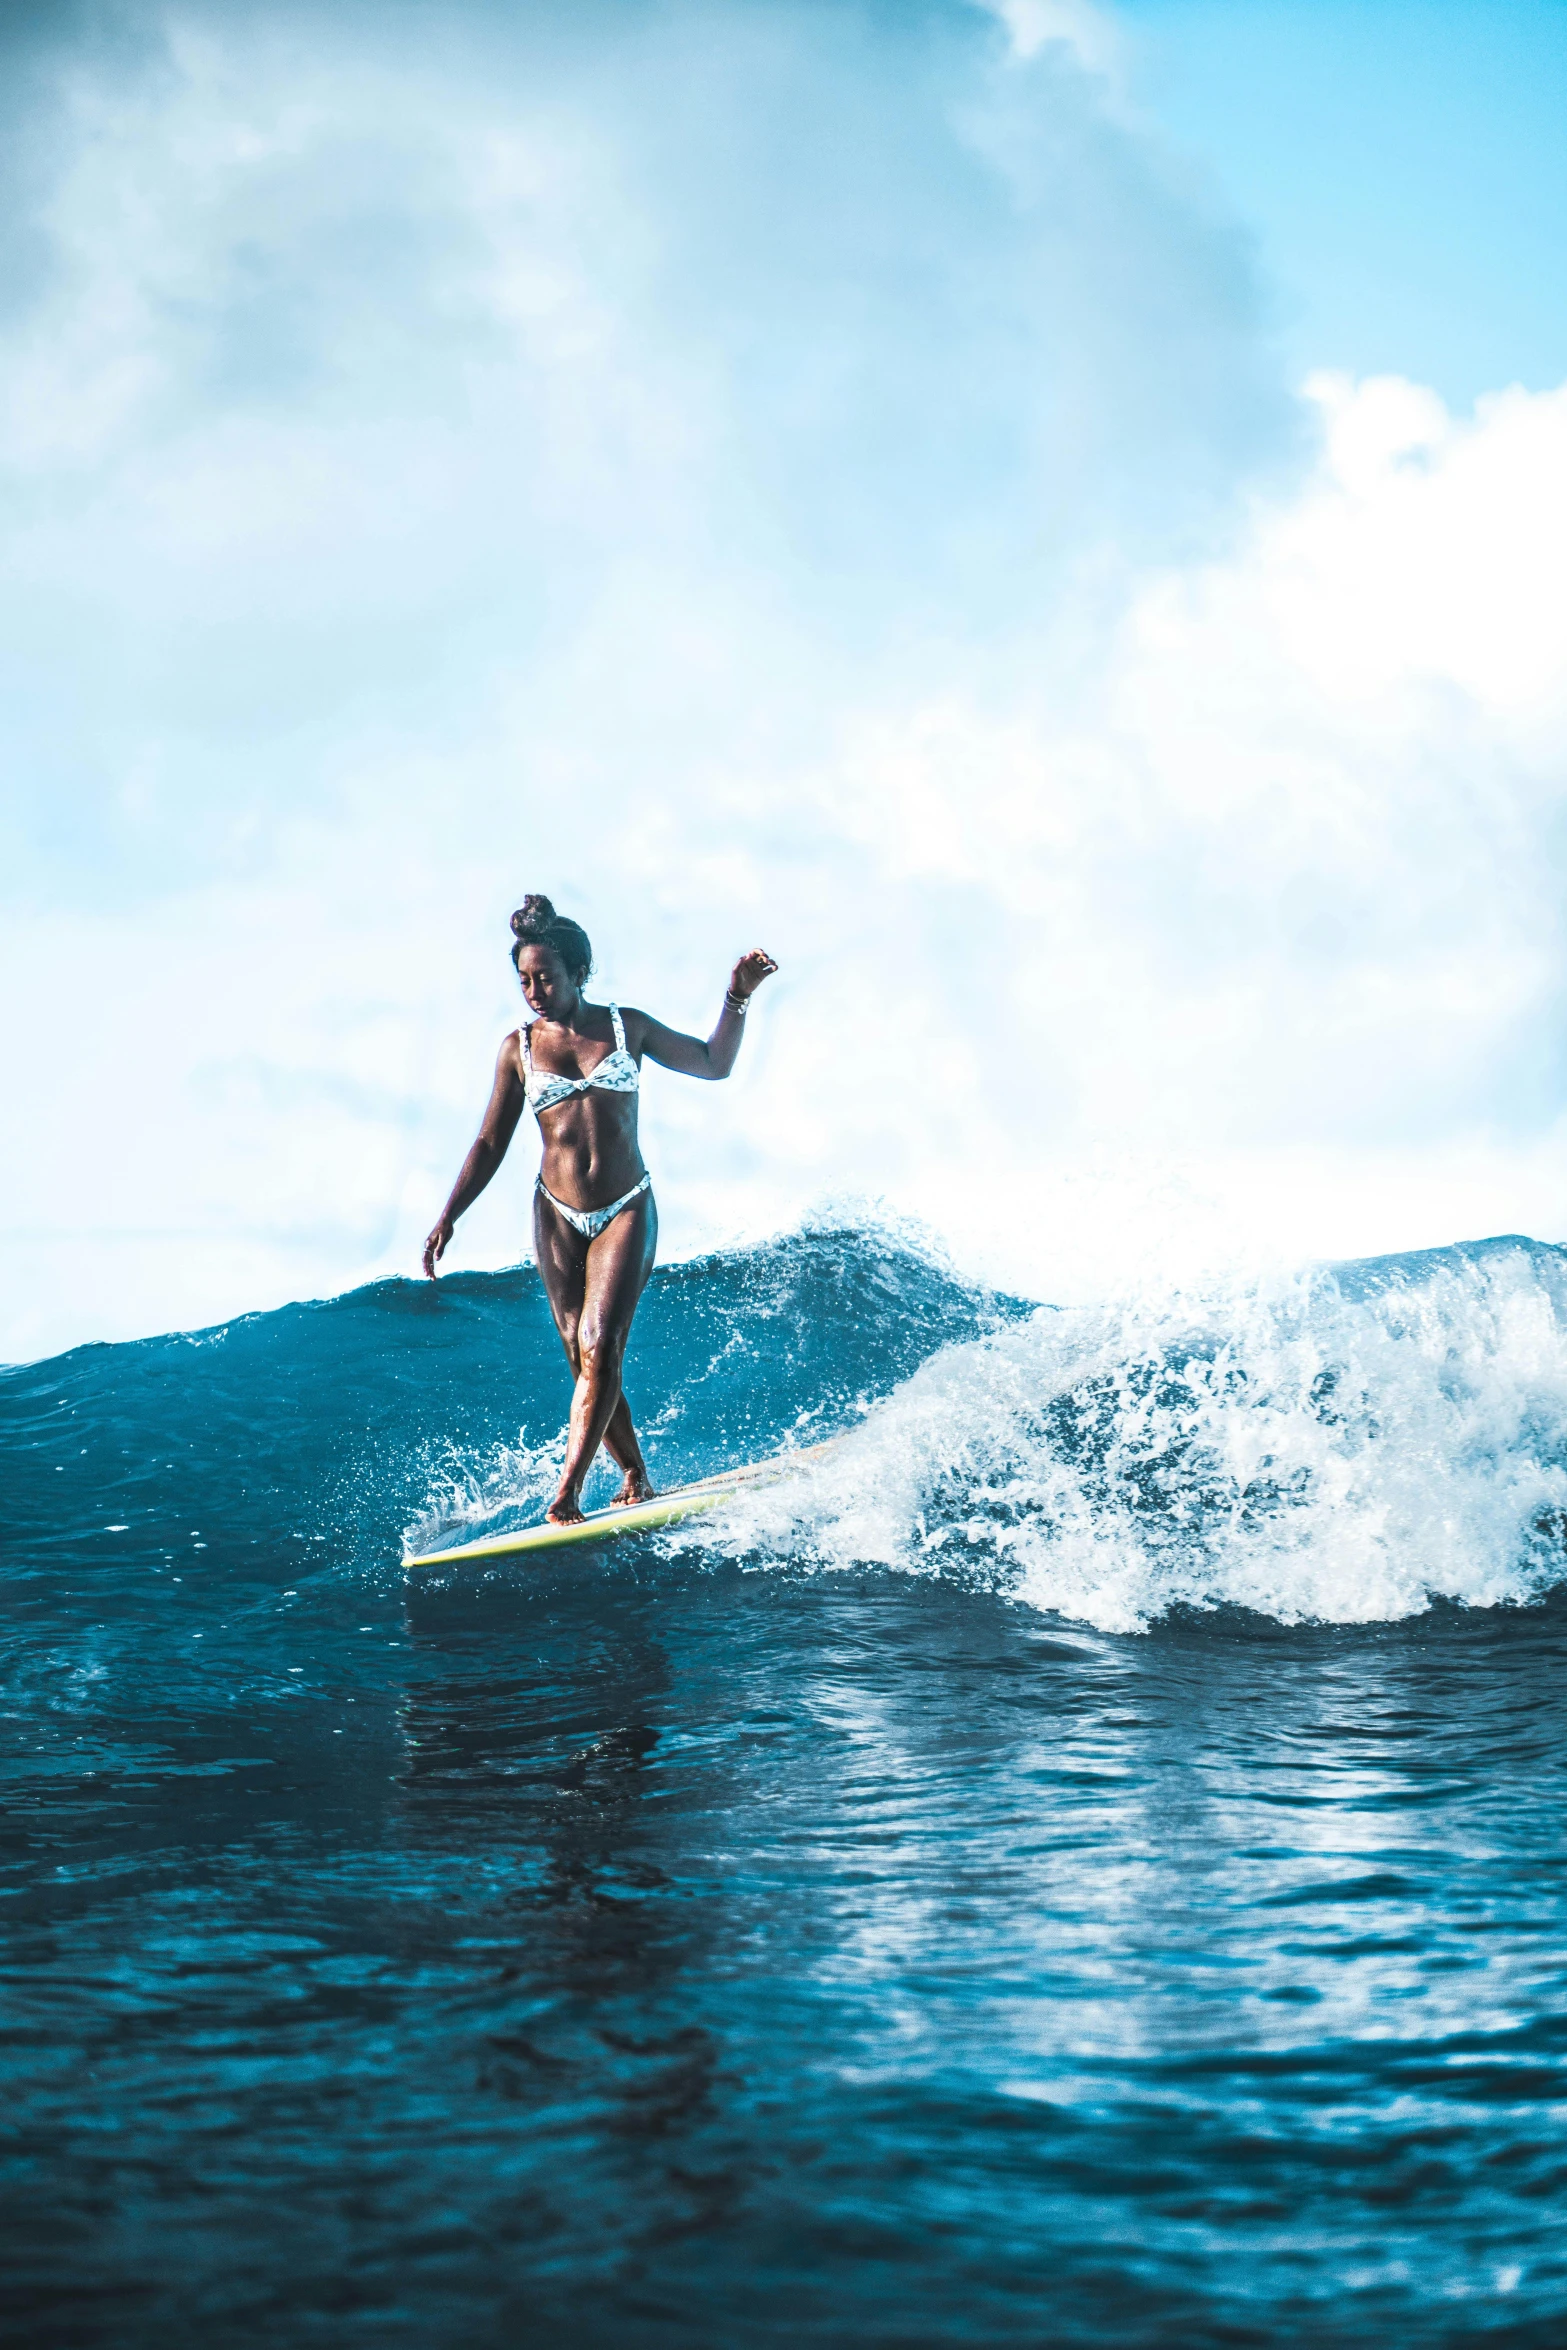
[[636, 1025]]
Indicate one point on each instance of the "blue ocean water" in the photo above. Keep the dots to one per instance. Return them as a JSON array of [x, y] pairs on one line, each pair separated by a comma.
[[1081, 1864]]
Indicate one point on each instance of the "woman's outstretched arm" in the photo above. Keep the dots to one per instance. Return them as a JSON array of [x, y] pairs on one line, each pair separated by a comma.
[[689, 1055], [500, 1124]]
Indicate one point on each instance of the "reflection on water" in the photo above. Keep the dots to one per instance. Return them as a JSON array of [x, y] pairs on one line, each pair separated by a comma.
[[719, 1957]]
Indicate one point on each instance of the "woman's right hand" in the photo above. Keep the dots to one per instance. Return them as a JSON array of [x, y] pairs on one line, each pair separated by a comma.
[[435, 1246]]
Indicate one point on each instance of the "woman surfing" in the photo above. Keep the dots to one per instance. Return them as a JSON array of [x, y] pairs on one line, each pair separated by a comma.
[[595, 1228]]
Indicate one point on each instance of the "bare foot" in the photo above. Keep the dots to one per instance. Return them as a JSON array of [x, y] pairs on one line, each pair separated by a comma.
[[565, 1509], [638, 1487]]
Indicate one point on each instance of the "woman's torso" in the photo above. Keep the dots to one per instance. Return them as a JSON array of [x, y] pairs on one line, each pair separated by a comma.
[[586, 1108]]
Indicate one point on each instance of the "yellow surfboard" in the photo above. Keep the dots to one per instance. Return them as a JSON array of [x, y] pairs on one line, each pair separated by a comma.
[[637, 1517]]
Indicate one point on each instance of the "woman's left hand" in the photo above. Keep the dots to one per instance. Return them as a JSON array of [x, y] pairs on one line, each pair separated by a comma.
[[750, 971]]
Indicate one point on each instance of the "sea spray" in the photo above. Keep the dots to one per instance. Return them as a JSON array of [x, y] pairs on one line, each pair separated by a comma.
[[1344, 1446]]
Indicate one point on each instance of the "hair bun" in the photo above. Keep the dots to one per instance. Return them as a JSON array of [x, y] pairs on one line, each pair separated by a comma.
[[535, 913], [536, 924]]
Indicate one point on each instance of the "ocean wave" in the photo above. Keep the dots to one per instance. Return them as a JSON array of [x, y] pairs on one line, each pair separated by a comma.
[[1346, 1446]]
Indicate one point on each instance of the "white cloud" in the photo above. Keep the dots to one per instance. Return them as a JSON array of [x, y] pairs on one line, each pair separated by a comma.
[[1090, 34], [1274, 885]]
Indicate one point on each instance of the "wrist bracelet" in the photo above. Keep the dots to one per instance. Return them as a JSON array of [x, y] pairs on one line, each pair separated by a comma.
[[737, 1003]]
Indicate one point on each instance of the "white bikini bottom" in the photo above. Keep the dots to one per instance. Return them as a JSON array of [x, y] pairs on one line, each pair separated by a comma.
[[590, 1222]]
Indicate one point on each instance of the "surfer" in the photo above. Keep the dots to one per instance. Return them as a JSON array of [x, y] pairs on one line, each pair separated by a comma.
[[595, 1228]]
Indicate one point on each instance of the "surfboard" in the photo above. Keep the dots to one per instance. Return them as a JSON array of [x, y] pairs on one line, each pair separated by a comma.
[[637, 1517]]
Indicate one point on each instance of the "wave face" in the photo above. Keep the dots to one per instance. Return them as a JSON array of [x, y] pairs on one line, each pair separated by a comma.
[[351, 1431]]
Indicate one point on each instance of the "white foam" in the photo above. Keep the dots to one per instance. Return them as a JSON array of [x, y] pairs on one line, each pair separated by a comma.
[[467, 1489], [1343, 1446]]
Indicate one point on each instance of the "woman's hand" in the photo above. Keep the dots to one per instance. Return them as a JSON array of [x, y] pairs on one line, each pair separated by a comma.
[[435, 1246], [750, 971]]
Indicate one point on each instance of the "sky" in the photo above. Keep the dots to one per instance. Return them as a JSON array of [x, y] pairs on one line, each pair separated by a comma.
[[1050, 518], [1401, 164]]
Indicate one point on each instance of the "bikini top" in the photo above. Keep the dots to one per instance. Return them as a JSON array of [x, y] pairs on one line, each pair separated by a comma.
[[616, 1073]]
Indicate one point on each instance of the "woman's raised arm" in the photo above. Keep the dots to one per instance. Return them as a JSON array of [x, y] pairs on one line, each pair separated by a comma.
[[500, 1124], [689, 1055]]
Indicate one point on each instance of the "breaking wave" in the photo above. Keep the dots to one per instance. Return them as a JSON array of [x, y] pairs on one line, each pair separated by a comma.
[[1346, 1446]]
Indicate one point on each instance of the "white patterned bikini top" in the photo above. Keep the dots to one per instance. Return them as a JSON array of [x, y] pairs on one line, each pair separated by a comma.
[[616, 1073]]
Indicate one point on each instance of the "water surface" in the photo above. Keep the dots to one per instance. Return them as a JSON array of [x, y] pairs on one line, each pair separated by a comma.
[[822, 1927]]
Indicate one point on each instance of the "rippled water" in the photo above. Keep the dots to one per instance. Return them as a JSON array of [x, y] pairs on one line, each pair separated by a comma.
[[934, 1909]]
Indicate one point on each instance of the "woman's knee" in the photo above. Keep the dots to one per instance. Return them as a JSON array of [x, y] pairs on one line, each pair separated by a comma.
[[601, 1352]]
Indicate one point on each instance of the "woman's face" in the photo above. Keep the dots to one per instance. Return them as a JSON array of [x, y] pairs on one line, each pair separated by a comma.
[[548, 985]]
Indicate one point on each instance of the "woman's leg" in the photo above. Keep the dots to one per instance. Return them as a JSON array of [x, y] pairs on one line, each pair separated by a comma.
[[593, 1287], [561, 1253], [562, 1257]]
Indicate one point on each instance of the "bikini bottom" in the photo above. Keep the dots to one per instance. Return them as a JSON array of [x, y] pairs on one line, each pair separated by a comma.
[[590, 1222]]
